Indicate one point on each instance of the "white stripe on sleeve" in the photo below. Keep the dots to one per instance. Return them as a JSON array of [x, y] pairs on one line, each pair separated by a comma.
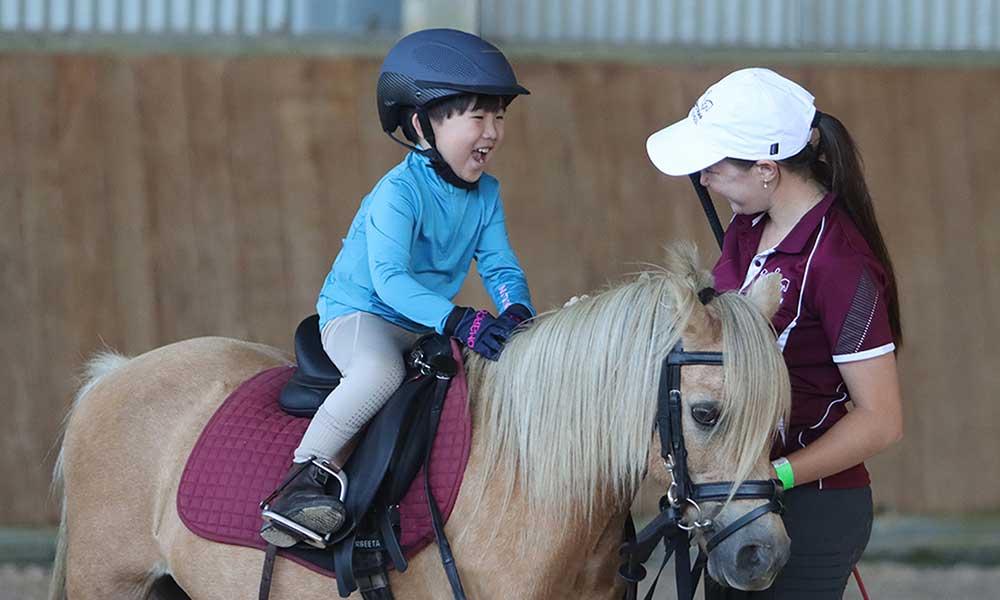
[[864, 354]]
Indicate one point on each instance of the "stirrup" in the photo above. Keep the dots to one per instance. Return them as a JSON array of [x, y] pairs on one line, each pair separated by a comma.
[[295, 529], [340, 476], [304, 534]]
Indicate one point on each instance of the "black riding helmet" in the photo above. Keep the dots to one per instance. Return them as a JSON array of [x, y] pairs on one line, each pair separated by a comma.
[[434, 64]]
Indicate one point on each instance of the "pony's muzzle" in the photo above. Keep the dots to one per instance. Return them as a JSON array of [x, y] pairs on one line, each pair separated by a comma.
[[761, 558], [752, 557]]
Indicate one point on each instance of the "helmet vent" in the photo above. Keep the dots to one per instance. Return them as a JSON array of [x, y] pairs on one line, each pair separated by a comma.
[[444, 60]]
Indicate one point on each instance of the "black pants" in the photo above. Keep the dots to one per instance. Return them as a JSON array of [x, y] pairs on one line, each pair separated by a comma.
[[829, 531]]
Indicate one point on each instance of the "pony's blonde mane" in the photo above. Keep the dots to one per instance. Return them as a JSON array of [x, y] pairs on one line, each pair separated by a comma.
[[572, 404]]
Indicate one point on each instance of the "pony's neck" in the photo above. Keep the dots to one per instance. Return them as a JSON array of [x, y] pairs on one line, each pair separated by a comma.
[[558, 537], [503, 545]]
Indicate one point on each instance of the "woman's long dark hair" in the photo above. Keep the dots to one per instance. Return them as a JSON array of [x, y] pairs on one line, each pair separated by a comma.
[[834, 161]]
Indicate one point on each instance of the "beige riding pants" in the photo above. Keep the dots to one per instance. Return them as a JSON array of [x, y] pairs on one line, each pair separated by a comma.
[[368, 350]]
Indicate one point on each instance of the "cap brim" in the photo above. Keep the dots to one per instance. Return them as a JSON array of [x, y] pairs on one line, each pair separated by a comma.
[[681, 149]]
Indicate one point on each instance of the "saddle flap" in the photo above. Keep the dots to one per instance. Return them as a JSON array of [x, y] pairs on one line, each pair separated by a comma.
[[431, 353], [369, 464]]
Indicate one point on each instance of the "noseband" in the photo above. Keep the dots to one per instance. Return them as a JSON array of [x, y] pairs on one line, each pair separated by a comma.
[[670, 525]]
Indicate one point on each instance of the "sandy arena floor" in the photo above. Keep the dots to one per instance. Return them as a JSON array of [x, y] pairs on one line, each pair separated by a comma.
[[885, 581]]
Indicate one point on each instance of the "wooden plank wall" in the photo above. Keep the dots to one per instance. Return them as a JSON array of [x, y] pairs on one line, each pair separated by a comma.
[[149, 199]]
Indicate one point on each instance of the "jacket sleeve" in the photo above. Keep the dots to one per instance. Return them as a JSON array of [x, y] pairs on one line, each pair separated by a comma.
[[392, 218], [497, 265]]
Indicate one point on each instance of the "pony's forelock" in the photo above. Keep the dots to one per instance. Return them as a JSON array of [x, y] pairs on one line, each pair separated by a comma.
[[757, 393]]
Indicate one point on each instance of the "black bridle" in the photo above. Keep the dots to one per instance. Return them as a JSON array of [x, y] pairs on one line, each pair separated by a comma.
[[670, 525]]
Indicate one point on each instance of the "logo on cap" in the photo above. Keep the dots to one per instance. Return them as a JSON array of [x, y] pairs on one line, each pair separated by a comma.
[[700, 108]]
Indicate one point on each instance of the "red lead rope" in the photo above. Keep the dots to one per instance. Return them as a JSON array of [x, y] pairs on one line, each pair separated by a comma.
[[861, 585]]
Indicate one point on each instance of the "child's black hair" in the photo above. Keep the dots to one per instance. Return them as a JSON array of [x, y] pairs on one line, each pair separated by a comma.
[[452, 105]]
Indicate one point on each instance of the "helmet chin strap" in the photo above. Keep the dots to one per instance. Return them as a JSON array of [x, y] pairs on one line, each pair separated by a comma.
[[438, 163]]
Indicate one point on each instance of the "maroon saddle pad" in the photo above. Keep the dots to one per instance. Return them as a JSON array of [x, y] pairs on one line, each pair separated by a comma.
[[246, 449]]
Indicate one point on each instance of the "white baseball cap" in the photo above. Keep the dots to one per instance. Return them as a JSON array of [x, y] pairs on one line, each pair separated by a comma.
[[751, 114]]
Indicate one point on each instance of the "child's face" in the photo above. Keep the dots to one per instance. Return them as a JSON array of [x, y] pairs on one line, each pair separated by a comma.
[[468, 141]]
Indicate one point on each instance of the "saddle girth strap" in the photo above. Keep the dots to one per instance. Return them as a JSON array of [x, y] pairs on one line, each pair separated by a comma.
[[371, 588], [268, 571], [390, 541]]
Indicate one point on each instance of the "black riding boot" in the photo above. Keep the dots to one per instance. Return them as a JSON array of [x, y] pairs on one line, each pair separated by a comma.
[[304, 501]]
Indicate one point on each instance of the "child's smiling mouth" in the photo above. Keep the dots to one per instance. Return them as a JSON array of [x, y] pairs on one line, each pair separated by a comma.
[[480, 154]]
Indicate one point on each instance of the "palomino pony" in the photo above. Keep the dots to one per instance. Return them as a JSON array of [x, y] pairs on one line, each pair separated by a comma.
[[563, 434]]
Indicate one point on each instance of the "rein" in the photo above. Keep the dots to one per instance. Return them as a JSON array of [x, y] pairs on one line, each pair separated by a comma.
[[671, 526]]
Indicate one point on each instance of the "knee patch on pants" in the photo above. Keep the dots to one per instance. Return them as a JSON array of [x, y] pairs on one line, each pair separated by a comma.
[[362, 393]]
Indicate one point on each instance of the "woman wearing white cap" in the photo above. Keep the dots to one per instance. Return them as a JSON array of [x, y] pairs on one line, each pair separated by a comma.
[[793, 178]]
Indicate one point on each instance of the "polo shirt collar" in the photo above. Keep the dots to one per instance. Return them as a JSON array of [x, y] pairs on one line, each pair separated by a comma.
[[797, 238]]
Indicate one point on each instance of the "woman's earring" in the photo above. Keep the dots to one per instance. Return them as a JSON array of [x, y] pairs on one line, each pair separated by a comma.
[[765, 185]]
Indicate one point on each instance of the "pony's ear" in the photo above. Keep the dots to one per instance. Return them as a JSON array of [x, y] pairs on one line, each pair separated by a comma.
[[765, 294]]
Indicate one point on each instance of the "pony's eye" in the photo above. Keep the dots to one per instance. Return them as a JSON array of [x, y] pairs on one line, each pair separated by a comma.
[[705, 414]]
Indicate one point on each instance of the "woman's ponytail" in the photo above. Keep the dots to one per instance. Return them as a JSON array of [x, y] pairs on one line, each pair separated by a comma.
[[837, 165]]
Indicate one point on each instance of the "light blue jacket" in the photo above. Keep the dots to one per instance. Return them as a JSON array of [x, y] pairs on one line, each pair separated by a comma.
[[410, 246]]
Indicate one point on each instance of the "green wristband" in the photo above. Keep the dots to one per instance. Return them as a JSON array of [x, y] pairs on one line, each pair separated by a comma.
[[784, 470]]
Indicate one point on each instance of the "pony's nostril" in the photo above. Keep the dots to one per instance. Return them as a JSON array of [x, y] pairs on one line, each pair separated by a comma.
[[753, 557]]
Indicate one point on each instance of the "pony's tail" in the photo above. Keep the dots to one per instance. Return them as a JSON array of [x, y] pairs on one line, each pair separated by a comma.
[[57, 585], [98, 367]]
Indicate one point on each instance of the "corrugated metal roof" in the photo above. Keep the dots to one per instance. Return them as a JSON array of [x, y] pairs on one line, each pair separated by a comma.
[[768, 24], [904, 25]]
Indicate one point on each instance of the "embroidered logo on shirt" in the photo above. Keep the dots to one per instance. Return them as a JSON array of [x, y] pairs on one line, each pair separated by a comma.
[[785, 282], [504, 297]]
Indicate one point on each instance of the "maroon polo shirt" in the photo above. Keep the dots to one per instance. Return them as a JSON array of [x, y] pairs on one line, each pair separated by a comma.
[[833, 310]]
